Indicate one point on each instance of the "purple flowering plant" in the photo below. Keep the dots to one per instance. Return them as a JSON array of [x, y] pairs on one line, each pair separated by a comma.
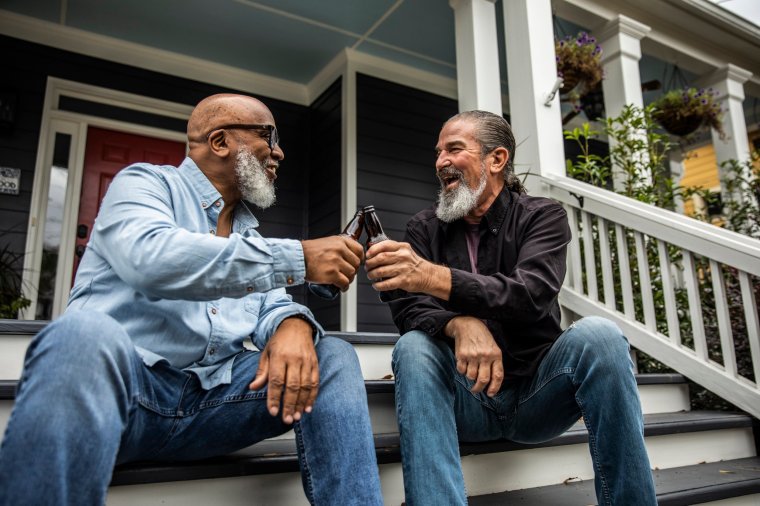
[[579, 62], [683, 111]]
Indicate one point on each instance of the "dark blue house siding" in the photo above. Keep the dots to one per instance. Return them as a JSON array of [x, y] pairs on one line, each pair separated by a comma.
[[397, 129]]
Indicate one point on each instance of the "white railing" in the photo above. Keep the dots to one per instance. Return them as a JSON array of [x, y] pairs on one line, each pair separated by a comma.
[[687, 296]]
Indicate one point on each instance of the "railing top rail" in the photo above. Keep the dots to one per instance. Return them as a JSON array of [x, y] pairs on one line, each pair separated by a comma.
[[707, 240]]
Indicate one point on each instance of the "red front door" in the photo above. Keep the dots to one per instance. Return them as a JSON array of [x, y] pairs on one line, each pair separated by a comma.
[[108, 152]]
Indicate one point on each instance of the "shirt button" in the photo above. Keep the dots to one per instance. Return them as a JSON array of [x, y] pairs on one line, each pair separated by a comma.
[[211, 351], [493, 230], [218, 203], [213, 310], [204, 205], [249, 289], [290, 280]]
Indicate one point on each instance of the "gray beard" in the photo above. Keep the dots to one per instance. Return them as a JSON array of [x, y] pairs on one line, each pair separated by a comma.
[[253, 182], [457, 203]]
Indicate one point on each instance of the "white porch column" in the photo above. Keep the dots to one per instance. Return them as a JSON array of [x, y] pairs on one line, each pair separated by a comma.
[[729, 82], [621, 51], [620, 39], [532, 73], [478, 80]]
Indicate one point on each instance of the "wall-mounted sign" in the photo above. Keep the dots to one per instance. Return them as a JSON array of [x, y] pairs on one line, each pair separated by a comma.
[[10, 180]]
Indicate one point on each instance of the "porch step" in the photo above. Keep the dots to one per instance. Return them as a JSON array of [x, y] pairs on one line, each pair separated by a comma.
[[674, 440], [677, 441], [681, 486]]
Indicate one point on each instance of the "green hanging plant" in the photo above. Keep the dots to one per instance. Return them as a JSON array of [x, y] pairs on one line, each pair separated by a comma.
[[579, 63], [681, 112]]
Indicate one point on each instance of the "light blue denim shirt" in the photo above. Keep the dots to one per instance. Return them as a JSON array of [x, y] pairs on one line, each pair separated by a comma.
[[184, 295]]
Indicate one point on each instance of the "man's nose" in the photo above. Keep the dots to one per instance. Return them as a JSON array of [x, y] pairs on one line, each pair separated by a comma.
[[278, 153], [442, 161]]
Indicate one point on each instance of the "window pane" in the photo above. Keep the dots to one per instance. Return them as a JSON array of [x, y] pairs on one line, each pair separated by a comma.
[[59, 173]]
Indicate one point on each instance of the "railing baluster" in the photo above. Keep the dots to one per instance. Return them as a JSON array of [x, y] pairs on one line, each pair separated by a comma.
[[695, 306], [724, 318], [671, 309], [753, 325], [645, 280], [625, 271], [588, 253], [606, 261], [575, 250]]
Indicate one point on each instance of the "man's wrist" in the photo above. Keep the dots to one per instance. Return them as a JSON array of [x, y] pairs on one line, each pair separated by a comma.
[[304, 318]]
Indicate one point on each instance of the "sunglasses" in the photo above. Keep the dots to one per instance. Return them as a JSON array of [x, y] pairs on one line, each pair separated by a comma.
[[273, 139]]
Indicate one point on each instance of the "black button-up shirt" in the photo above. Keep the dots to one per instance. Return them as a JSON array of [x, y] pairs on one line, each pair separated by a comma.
[[521, 266]]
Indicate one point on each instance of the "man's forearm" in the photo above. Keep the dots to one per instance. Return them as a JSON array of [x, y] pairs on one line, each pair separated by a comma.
[[437, 281]]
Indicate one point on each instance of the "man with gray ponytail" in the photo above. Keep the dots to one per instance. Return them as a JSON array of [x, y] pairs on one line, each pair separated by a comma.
[[482, 355]]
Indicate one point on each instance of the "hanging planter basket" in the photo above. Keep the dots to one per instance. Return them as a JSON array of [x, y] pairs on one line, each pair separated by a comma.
[[679, 124], [578, 63], [570, 79], [682, 112]]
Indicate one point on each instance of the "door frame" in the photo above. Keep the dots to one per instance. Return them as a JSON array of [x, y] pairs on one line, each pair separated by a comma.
[[56, 121]]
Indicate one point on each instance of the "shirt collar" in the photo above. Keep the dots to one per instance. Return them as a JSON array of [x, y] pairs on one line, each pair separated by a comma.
[[208, 194]]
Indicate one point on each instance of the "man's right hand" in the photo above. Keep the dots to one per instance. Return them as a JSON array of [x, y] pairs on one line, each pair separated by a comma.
[[332, 260], [477, 354]]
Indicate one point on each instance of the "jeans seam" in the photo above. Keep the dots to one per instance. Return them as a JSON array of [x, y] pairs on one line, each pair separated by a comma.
[[305, 470], [594, 450]]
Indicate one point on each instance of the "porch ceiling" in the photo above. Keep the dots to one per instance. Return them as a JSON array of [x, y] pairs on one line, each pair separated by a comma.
[[293, 40], [288, 39]]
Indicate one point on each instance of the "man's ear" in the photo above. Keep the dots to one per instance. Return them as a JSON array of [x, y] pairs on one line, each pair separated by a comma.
[[217, 142], [499, 158]]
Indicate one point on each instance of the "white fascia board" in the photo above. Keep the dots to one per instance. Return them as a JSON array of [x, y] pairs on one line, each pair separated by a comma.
[[158, 60]]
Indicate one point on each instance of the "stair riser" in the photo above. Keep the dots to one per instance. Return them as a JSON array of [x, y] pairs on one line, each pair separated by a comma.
[[517, 470], [12, 351]]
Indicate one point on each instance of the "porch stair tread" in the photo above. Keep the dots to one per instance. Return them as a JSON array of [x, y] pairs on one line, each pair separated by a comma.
[[679, 486], [278, 456]]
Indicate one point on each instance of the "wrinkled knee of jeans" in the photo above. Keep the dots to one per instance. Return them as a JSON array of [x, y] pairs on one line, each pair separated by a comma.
[[414, 349], [602, 337], [83, 336], [336, 355]]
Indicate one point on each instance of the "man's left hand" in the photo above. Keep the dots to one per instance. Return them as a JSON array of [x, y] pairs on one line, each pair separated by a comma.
[[289, 365]]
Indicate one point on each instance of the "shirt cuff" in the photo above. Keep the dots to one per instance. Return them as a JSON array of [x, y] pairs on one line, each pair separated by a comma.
[[288, 263]]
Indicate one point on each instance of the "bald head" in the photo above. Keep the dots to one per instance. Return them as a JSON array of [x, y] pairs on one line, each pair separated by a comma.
[[225, 108]]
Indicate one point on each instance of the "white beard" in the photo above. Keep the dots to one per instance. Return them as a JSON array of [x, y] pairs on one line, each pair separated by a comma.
[[253, 182], [456, 203]]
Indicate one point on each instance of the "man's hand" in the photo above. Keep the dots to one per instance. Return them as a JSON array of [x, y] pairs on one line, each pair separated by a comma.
[[332, 260], [478, 356], [289, 363], [392, 265]]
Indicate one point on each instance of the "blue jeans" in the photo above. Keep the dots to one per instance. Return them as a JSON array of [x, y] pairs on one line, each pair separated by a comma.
[[87, 402], [587, 372]]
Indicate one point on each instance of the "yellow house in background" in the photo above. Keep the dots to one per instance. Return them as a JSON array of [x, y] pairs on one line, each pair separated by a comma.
[[701, 171]]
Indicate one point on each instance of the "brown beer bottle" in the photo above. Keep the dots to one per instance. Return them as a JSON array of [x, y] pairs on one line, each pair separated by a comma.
[[353, 230], [375, 234]]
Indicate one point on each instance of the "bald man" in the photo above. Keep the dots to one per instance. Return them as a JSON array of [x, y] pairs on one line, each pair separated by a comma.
[[148, 362]]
